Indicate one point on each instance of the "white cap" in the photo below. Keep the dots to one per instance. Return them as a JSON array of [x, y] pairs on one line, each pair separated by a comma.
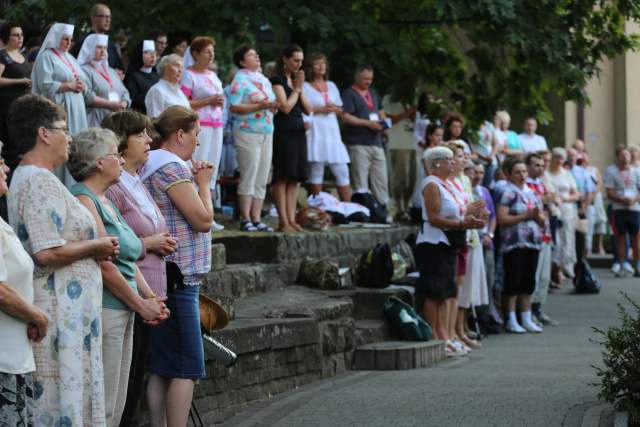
[[148, 45], [68, 30], [88, 50], [102, 40]]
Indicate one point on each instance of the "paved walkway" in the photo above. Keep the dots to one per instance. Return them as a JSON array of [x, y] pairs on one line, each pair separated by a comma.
[[530, 380]]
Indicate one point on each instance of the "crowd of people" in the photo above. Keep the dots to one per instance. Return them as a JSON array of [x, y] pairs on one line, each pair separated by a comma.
[[112, 166], [502, 242]]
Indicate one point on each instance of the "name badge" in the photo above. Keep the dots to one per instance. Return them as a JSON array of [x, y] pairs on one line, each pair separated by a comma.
[[374, 117], [629, 193], [114, 96]]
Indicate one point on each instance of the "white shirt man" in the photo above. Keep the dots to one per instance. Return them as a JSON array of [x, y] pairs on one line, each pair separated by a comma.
[[530, 140]]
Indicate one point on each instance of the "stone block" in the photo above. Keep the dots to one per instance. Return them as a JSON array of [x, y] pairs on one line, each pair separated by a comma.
[[385, 359], [294, 333], [218, 256], [405, 358], [369, 303]]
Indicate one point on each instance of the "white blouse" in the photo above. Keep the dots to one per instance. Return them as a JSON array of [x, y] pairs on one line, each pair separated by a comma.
[[16, 270], [324, 142], [134, 185], [163, 95]]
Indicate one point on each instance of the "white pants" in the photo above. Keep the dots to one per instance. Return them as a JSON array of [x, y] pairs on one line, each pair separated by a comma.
[[210, 148], [339, 170], [565, 249], [543, 274], [117, 344]]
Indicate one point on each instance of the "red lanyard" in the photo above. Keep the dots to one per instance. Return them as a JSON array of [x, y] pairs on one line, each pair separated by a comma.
[[324, 91], [104, 75], [66, 62], [367, 98], [626, 177], [458, 202], [527, 201]]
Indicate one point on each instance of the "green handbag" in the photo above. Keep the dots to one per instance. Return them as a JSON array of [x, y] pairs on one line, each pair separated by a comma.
[[404, 323]]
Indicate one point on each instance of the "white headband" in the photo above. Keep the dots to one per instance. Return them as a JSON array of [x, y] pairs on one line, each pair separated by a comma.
[[148, 45], [68, 30]]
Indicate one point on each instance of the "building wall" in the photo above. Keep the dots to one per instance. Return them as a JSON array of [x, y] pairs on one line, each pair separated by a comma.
[[613, 115]]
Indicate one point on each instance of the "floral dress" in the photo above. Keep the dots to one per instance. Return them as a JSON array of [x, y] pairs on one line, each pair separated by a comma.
[[69, 381]]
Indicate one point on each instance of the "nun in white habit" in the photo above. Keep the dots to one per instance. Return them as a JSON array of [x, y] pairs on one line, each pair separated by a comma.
[[104, 81], [57, 75]]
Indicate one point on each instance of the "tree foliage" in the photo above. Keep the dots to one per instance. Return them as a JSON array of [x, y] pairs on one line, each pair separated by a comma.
[[476, 54]]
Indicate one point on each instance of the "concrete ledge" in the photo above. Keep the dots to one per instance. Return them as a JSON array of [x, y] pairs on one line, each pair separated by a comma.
[[369, 303], [279, 247], [237, 281], [371, 330], [397, 355], [255, 335]]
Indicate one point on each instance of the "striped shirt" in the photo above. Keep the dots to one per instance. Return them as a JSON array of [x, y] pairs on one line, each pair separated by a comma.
[[144, 224], [193, 255]]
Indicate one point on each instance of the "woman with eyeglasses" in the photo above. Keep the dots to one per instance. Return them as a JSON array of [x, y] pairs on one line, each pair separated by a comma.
[[139, 210], [15, 81], [95, 162], [61, 236], [445, 221]]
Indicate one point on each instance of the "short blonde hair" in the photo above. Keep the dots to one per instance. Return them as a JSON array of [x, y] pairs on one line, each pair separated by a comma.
[[504, 116], [172, 58], [559, 152], [436, 154], [89, 145]]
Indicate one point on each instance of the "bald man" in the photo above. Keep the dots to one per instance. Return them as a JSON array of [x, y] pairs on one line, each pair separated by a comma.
[[100, 16]]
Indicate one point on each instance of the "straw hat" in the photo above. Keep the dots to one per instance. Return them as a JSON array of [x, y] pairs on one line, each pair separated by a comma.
[[212, 315]]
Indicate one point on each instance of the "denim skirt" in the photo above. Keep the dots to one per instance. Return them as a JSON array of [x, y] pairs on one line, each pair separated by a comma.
[[176, 349]]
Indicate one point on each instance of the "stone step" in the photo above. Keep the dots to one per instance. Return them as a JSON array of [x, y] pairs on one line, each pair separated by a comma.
[[296, 302], [243, 280], [371, 330], [369, 303], [256, 247], [398, 355]]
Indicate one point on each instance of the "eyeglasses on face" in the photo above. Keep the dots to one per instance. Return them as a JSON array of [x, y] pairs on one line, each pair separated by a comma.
[[64, 130], [116, 155], [103, 16]]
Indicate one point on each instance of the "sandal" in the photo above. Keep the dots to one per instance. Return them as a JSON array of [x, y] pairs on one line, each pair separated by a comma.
[[261, 226], [247, 226]]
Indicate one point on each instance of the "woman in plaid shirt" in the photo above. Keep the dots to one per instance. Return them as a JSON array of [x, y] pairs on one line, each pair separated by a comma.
[[521, 216], [182, 193]]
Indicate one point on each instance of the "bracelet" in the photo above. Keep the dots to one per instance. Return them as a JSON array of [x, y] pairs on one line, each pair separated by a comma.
[[152, 296]]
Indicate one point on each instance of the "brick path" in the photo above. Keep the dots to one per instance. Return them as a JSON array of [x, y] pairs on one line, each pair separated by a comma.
[[531, 380]]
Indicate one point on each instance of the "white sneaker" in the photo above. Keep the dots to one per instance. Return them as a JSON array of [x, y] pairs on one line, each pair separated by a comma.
[[515, 328], [616, 269], [532, 327], [216, 227], [455, 347], [627, 268]]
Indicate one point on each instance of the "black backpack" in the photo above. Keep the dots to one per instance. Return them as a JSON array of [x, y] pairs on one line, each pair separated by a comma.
[[375, 268], [377, 212], [585, 281]]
